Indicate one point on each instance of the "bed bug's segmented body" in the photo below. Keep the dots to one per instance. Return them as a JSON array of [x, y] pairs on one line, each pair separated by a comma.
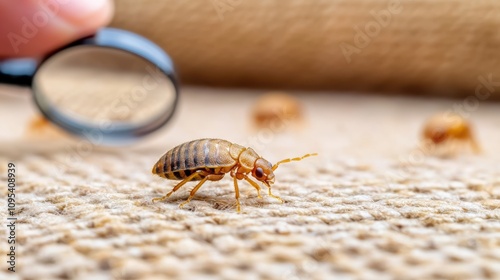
[[210, 155], [210, 159]]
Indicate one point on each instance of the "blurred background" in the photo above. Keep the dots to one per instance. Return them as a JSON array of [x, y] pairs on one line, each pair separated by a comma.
[[437, 48]]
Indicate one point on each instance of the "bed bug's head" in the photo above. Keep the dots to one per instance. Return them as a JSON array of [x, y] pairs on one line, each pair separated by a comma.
[[437, 135], [443, 127], [263, 171]]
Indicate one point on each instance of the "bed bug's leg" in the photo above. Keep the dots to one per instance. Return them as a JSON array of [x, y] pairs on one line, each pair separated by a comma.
[[177, 186], [191, 195], [237, 194], [255, 185], [274, 196], [455, 146], [211, 177]]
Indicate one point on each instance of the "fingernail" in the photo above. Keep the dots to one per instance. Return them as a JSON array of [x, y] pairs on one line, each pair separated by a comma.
[[79, 12]]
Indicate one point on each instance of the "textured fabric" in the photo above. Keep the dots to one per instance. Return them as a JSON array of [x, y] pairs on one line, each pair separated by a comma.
[[370, 206], [437, 47]]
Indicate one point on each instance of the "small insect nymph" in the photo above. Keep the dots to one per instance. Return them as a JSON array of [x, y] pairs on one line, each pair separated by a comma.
[[210, 159], [277, 110], [448, 130]]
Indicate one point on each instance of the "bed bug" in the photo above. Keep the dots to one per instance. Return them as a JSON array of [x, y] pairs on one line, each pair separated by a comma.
[[277, 110], [210, 159], [41, 128], [448, 130]]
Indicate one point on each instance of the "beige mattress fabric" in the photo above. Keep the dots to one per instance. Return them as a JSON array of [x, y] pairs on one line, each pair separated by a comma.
[[370, 206]]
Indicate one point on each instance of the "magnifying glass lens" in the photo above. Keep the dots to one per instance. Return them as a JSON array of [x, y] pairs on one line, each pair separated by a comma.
[[104, 90]]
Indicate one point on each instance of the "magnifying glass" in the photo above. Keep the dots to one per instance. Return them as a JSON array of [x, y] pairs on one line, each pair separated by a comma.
[[112, 87]]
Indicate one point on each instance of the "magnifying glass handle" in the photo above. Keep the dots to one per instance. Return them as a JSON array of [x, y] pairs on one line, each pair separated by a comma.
[[18, 71]]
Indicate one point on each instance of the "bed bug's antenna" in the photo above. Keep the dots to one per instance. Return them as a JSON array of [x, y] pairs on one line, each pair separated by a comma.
[[475, 146], [293, 159]]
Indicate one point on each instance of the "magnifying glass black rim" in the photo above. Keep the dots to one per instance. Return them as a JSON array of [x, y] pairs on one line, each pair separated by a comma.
[[118, 133]]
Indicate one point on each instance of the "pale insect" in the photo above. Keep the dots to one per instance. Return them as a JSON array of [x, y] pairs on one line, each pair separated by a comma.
[[210, 159]]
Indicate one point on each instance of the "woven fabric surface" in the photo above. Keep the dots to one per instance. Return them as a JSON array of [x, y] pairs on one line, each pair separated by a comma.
[[431, 47], [370, 206]]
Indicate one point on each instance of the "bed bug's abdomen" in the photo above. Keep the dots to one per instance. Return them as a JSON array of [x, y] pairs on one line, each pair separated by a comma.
[[203, 154]]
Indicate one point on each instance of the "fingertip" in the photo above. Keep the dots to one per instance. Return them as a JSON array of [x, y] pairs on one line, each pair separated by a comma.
[[87, 16], [34, 28]]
